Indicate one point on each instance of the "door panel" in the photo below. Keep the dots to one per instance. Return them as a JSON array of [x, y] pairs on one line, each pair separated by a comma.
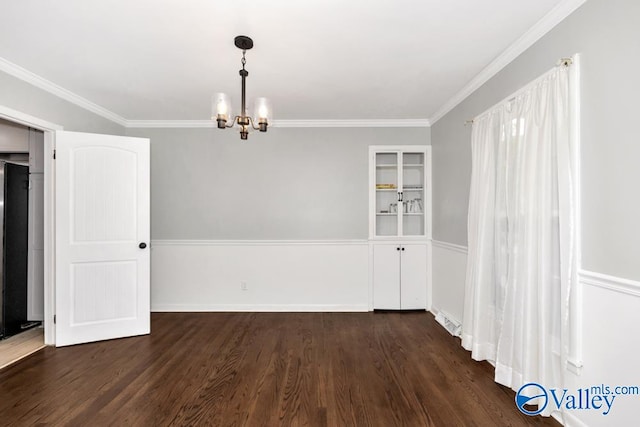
[[414, 277], [386, 277], [102, 215]]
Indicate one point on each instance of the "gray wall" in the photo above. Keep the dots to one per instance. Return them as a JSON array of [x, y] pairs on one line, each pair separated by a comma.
[[23, 97], [290, 183], [606, 34]]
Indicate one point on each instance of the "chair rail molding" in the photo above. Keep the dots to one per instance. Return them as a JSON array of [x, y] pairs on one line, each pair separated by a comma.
[[450, 246], [611, 283]]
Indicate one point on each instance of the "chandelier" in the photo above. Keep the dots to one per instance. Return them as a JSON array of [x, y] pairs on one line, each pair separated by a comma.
[[221, 105]]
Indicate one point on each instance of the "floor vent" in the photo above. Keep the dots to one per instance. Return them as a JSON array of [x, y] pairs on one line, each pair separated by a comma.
[[452, 326]]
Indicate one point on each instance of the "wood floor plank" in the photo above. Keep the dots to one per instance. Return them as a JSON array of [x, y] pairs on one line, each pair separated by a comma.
[[263, 369]]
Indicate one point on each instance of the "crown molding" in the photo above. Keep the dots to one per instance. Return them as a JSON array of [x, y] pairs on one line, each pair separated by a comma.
[[46, 85], [382, 123], [535, 33], [170, 124], [27, 120], [401, 123]]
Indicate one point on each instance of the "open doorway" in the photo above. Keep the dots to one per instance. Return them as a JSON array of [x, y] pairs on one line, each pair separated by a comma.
[[95, 158], [22, 244]]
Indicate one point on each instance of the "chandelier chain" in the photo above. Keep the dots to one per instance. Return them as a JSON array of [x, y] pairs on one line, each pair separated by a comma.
[[244, 61]]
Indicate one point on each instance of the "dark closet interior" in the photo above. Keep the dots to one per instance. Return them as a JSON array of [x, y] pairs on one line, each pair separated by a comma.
[[14, 214]]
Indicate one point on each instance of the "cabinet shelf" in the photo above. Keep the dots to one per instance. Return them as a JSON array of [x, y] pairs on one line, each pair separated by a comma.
[[413, 165], [412, 188], [387, 166], [395, 190]]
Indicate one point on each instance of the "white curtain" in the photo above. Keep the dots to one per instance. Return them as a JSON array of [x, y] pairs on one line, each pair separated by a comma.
[[521, 234]]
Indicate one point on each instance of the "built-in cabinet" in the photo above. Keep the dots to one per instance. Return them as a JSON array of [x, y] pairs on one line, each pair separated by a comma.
[[400, 276], [399, 225]]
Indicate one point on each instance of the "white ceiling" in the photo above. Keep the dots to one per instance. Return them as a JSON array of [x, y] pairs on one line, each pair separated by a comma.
[[314, 59]]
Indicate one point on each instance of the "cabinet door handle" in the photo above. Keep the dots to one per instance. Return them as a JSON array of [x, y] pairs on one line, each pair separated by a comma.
[[402, 249], [398, 248], [400, 196]]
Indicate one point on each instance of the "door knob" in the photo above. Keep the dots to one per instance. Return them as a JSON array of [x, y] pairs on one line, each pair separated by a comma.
[[142, 245]]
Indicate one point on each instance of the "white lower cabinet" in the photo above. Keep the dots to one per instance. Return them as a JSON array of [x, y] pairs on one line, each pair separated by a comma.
[[400, 276]]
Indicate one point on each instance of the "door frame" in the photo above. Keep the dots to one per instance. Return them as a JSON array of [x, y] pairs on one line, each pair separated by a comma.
[[49, 130]]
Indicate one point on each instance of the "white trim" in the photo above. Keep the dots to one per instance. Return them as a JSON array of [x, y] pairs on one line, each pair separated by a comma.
[[256, 242], [435, 311], [27, 120], [313, 308], [611, 283], [430, 274], [399, 123], [535, 33], [49, 130], [49, 238], [168, 124], [46, 85], [450, 246], [365, 123], [574, 357]]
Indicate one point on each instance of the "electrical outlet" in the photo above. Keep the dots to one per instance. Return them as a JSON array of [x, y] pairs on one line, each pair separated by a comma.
[[243, 286]]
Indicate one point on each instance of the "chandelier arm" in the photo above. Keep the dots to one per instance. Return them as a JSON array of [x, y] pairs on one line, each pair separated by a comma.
[[233, 123], [253, 125]]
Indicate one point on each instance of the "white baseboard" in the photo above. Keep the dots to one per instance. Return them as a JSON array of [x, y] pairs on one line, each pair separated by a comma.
[[302, 308]]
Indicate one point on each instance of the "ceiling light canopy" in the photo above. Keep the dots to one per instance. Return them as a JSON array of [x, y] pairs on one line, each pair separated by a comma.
[[221, 105]]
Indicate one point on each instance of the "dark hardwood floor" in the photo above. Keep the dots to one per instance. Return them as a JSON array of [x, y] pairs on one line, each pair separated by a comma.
[[263, 369]]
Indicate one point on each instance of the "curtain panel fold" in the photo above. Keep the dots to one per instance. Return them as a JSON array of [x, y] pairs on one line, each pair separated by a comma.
[[520, 232]]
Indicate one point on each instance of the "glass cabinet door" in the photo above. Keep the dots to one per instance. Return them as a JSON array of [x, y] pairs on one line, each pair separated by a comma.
[[387, 204], [413, 194]]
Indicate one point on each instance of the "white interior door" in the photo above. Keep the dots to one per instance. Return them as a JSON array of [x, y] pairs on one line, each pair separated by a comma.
[[102, 231], [386, 276]]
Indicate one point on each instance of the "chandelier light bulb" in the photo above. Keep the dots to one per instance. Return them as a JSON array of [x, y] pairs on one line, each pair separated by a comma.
[[221, 109], [262, 113]]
